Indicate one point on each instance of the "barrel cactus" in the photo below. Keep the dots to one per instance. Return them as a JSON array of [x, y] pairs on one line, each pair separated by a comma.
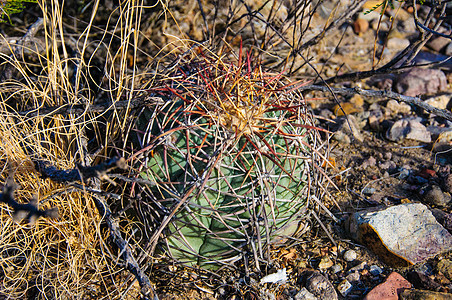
[[229, 154]]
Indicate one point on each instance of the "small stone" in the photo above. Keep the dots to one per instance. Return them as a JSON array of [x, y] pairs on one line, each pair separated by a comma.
[[375, 270], [435, 196], [397, 44], [409, 129], [421, 82], [370, 162], [389, 289], [360, 26], [424, 295], [388, 165], [401, 235], [354, 277], [321, 287], [445, 267], [437, 44], [350, 255], [358, 268], [325, 263], [348, 129], [368, 191], [344, 287], [346, 109], [440, 102], [304, 294], [336, 268], [398, 108]]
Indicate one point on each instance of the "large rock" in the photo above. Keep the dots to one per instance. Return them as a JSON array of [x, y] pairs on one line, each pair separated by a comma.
[[421, 82], [390, 289], [401, 235]]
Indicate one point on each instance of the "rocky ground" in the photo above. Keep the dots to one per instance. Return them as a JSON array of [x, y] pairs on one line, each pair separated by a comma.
[[387, 154], [387, 157]]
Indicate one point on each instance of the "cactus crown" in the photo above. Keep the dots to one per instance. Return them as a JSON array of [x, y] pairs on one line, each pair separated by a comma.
[[230, 155]]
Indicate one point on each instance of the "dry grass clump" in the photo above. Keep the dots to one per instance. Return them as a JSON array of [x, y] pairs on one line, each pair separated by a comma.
[[45, 114]]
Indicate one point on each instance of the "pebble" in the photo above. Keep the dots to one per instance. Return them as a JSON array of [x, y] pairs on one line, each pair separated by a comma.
[[397, 44], [409, 129], [389, 289], [359, 267], [304, 294], [401, 235], [439, 43], [420, 82], [325, 263], [350, 255], [370, 162], [375, 270], [344, 135], [440, 102], [354, 277], [398, 107], [344, 287], [321, 287], [368, 191], [435, 196], [360, 26], [336, 268]]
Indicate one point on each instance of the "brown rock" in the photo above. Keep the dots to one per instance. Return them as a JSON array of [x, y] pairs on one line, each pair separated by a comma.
[[424, 295], [360, 26], [390, 289]]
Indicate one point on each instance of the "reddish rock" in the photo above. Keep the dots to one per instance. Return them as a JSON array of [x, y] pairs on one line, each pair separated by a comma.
[[421, 82], [390, 289]]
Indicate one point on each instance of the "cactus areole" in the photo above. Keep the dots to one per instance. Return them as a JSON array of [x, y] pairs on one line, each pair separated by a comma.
[[243, 146]]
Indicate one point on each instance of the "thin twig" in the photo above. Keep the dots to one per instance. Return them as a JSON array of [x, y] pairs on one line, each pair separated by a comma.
[[381, 94]]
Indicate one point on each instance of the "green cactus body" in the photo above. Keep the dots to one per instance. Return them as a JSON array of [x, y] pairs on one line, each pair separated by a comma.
[[250, 190]]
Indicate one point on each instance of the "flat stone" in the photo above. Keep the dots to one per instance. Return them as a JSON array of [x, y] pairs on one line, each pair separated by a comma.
[[409, 129], [390, 289], [401, 235], [321, 287], [424, 295], [421, 82]]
